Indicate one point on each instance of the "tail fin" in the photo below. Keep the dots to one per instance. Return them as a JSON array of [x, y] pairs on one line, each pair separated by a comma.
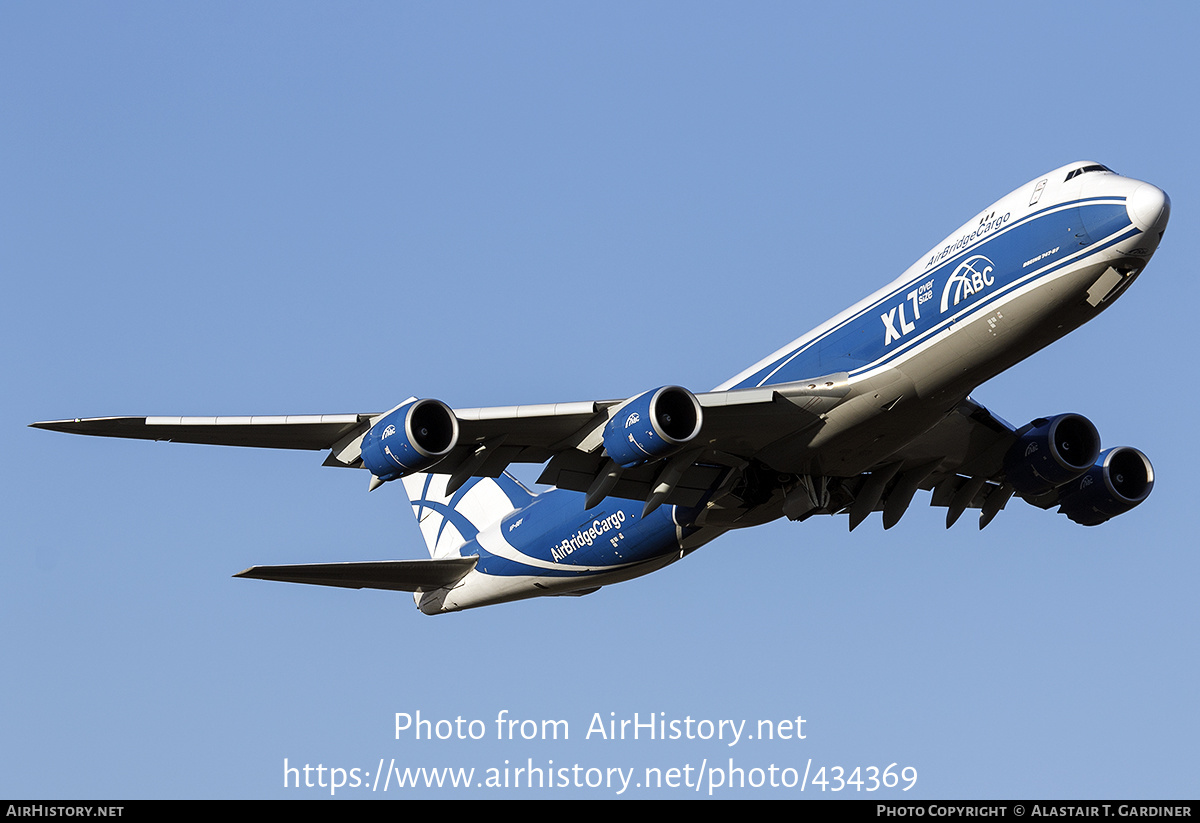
[[449, 520]]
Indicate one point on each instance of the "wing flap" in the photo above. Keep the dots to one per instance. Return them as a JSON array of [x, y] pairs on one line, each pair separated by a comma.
[[969, 441], [577, 471], [391, 575]]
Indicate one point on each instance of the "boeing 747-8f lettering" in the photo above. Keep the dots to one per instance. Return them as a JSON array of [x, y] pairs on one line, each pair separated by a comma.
[[854, 417]]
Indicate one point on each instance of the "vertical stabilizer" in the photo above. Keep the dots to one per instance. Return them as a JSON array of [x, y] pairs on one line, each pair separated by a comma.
[[449, 520]]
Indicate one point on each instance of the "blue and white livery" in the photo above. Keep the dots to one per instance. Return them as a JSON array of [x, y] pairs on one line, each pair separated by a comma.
[[854, 417]]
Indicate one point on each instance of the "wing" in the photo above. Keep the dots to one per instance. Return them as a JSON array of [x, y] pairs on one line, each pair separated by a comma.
[[570, 437], [973, 459], [733, 460], [961, 459]]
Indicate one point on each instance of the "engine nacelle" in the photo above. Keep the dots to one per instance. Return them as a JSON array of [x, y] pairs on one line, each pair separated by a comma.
[[1053, 452], [1120, 479], [410, 439], [653, 425]]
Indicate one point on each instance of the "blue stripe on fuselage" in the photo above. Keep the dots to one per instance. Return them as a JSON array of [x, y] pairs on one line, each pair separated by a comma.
[[1033, 247]]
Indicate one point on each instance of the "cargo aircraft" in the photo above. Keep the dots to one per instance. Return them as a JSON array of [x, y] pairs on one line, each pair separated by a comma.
[[854, 417]]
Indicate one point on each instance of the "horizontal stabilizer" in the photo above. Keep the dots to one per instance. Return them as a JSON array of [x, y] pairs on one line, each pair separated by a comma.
[[393, 575]]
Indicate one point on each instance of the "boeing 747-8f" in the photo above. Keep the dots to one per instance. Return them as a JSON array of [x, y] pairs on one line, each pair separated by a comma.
[[854, 417]]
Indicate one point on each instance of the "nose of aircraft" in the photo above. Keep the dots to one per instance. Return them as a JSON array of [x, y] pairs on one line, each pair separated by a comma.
[[1149, 208]]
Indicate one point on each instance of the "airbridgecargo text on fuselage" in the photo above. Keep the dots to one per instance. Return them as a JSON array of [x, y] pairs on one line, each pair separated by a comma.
[[986, 227], [586, 537]]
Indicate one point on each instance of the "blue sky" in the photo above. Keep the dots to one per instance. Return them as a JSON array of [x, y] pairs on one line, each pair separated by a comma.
[[303, 208]]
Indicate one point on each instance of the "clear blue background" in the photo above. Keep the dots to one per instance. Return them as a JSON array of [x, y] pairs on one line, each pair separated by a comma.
[[232, 208]]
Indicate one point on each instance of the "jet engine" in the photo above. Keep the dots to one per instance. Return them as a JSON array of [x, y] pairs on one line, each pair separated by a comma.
[[653, 425], [1051, 452], [1119, 480], [409, 439]]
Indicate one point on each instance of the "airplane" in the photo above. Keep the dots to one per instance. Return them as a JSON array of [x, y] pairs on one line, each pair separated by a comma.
[[851, 418]]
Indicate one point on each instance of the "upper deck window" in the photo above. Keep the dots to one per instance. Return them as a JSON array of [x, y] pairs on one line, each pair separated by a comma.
[[1086, 169]]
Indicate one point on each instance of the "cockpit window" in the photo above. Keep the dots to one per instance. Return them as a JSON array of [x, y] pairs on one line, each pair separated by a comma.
[[1086, 169]]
